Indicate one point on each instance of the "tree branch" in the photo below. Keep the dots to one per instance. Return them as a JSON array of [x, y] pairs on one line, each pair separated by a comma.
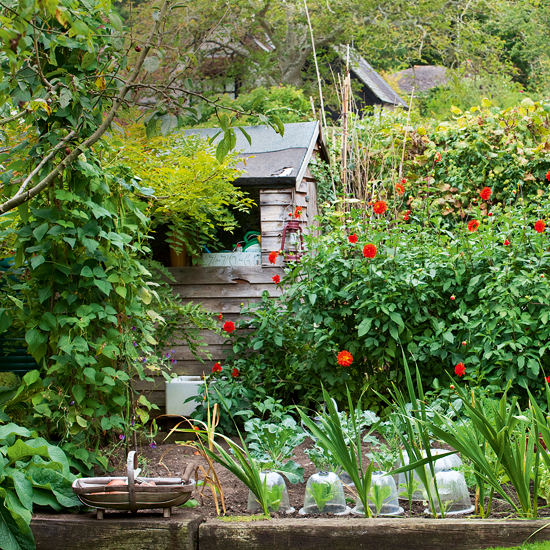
[[15, 117], [31, 193], [44, 161]]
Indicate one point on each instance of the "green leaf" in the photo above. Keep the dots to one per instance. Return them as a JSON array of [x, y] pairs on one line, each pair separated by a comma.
[[65, 97], [86, 272], [21, 450], [79, 393], [34, 339], [10, 429], [15, 532], [292, 471], [449, 337], [258, 344], [37, 260], [245, 134], [40, 231], [104, 286], [121, 291], [364, 327], [167, 124], [23, 487], [151, 64], [6, 319], [115, 20], [60, 485], [90, 373], [81, 421]]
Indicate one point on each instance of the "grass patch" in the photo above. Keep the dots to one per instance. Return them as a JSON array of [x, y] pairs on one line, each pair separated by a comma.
[[259, 517], [530, 546]]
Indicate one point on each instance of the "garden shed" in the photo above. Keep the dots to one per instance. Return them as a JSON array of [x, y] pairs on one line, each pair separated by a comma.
[[370, 89], [277, 175]]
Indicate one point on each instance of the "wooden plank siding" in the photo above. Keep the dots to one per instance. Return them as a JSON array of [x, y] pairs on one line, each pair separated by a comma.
[[219, 290], [224, 289]]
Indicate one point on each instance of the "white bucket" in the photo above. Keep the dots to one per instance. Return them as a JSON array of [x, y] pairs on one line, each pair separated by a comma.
[[178, 390]]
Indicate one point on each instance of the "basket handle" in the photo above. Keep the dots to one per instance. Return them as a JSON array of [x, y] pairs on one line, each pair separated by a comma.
[[188, 471], [132, 463]]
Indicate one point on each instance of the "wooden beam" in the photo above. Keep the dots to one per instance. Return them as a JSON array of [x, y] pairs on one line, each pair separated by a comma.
[[118, 531], [367, 534], [184, 531]]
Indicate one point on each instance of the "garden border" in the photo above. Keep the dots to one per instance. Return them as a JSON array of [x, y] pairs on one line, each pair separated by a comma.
[[119, 531]]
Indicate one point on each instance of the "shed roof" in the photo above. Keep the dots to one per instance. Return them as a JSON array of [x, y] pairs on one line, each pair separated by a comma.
[[421, 77], [272, 160], [369, 77]]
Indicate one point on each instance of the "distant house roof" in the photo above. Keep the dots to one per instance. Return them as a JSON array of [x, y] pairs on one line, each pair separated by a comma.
[[272, 160], [422, 77], [363, 71]]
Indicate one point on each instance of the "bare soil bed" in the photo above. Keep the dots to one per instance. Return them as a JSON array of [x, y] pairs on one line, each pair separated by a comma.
[[170, 461]]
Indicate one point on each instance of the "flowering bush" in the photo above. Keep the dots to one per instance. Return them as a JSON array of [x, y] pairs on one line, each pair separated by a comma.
[[445, 294]]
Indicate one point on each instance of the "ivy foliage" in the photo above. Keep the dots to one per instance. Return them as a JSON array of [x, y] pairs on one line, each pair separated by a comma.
[[81, 294]]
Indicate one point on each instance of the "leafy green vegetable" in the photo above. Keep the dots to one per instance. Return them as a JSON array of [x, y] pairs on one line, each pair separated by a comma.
[[377, 495], [32, 472], [322, 492], [272, 443]]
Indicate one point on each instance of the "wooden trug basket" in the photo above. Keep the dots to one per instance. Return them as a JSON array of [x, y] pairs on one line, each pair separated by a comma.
[[167, 492]]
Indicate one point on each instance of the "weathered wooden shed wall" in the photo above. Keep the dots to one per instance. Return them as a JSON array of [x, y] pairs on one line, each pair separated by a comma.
[[219, 290]]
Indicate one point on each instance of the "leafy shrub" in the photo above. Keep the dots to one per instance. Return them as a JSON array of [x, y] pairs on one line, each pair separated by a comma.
[[188, 188], [465, 91], [32, 473], [447, 294], [445, 164], [286, 102]]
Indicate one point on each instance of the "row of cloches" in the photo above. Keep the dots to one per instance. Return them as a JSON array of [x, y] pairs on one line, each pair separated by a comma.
[[325, 491]]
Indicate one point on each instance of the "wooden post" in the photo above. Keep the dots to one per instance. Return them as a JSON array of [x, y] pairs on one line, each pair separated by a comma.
[[345, 110]]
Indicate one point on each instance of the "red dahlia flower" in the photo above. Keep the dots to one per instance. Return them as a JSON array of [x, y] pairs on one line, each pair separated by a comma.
[[369, 251], [399, 189], [276, 279], [460, 369], [438, 157], [403, 181], [506, 242], [229, 326], [352, 238], [486, 193], [473, 225], [380, 207], [235, 372], [273, 257], [217, 368], [548, 379], [344, 358], [540, 225], [220, 316], [406, 217], [548, 175]]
